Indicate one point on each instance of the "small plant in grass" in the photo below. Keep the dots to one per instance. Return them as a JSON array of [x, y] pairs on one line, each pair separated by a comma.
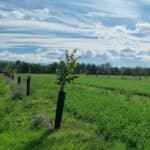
[[17, 96], [65, 74], [128, 97], [16, 93], [42, 122]]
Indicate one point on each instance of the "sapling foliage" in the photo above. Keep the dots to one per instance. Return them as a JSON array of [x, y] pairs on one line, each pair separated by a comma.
[[66, 69]]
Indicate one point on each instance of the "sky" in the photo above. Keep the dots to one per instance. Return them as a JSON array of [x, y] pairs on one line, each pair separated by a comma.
[[39, 31]]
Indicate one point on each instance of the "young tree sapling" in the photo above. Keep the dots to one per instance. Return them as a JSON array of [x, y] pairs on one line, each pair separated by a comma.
[[65, 74]]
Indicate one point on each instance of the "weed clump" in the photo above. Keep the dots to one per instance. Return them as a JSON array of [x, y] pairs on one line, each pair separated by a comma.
[[17, 96], [42, 122]]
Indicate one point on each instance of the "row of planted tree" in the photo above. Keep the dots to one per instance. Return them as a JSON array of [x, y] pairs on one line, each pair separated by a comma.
[[65, 74], [11, 76]]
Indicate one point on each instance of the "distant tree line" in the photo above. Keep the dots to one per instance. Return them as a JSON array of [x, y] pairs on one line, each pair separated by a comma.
[[91, 69]]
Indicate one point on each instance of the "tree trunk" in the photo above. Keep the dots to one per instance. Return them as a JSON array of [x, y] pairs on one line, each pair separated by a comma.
[[59, 110]]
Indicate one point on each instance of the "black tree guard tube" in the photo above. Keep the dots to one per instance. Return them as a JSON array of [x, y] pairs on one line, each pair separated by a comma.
[[12, 77], [28, 86], [19, 80], [59, 110]]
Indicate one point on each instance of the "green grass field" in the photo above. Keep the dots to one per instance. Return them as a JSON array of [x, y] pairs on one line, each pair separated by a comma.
[[100, 113]]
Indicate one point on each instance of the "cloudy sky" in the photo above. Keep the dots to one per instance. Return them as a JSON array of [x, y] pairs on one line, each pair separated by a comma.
[[39, 31]]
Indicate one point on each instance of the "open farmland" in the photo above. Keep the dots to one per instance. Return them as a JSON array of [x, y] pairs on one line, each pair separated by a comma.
[[100, 113], [75, 75], [128, 84]]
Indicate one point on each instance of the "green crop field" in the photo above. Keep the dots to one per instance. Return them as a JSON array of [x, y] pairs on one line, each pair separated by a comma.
[[104, 112]]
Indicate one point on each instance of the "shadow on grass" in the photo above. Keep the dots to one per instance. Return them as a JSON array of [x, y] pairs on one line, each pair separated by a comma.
[[37, 143]]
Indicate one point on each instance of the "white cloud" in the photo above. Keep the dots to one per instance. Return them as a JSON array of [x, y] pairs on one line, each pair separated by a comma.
[[15, 14], [38, 25], [36, 14], [39, 57], [143, 27], [145, 1], [50, 55], [117, 37], [117, 8]]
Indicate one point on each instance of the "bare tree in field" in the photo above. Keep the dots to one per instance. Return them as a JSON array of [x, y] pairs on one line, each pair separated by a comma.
[[65, 74]]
